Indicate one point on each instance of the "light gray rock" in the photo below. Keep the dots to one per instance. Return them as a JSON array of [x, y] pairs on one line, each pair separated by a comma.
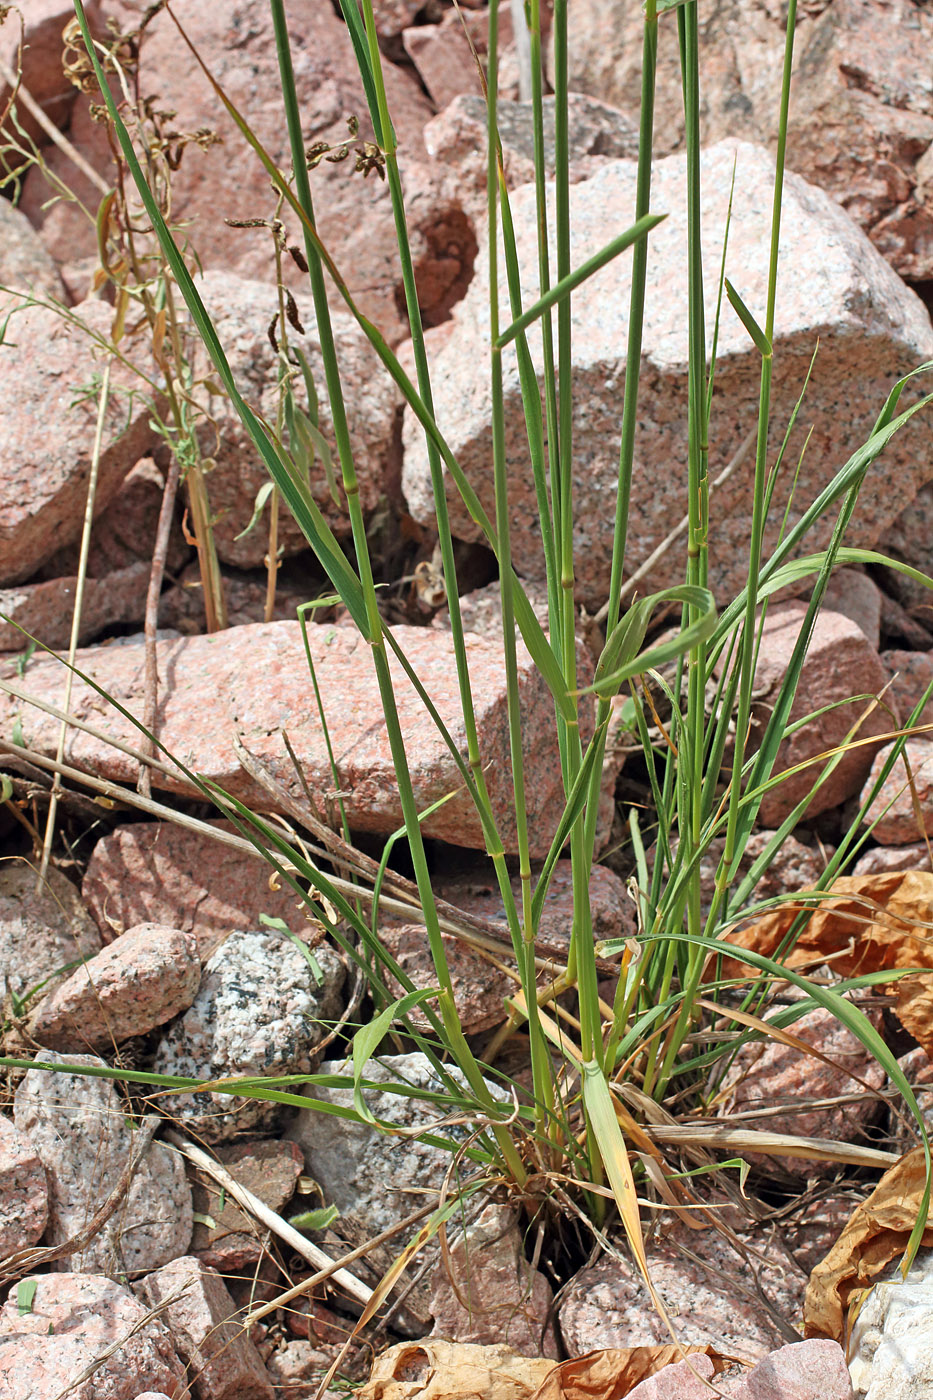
[[41, 931], [376, 1177], [241, 311], [139, 982], [878, 859], [892, 1338], [259, 1011], [832, 286], [77, 1126], [74, 1320]]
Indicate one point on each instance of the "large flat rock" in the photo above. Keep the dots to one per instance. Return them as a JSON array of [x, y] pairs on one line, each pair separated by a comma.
[[833, 288], [254, 680]]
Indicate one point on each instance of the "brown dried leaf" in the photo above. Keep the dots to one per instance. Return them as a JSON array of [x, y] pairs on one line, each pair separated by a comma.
[[876, 1234], [437, 1370], [611, 1374], [866, 923]]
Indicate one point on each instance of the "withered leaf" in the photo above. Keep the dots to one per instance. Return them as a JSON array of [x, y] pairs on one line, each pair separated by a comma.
[[611, 1374], [876, 1234], [433, 1369]]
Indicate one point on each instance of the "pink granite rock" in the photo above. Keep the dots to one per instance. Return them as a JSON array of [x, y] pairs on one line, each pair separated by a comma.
[[862, 109], [223, 1359], [48, 433], [270, 1170], [45, 609], [236, 43], [828, 270], [72, 1321], [124, 533], [443, 56], [681, 1380], [25, 264], [840, 663], [241, 311], [297, 1369], [38, 48], [143, 979], [714, 1300], [480, 988], [159, 873], [811, 1370], [912, 673], [877, 859], [255, 680], [77, 1126], [769, 1074], [858, 598], [42, 931], [892, 812], [24, 1191]]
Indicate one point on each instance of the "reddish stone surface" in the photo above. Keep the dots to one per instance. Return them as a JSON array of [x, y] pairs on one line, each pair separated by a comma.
[[24, 1192], [37, 48], [829, 269], [255, 680], [811, 1370], [73, 1319], [506, 1300], [24, 261], [715, 1300], [143, 979], [840, 663], [224, 1361], [235, 41], [682, 1380], [862, 107], [41, 931], [297, 1369], [892, 813], [912, 673], [241, 311], [857, 597], [156, 872], [77, 1126], [268, 1169], [877, 859], [479, 987], [769, 1074], [44, 610], [48, 436]]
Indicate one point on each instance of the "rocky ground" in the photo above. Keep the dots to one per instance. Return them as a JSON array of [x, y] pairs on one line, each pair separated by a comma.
[[136, 1233]]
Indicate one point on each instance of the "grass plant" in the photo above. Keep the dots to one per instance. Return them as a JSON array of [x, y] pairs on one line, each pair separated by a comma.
[[600, 1089]]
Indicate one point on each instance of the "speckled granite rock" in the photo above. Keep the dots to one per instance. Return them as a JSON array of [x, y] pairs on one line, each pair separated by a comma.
[[857, 597], [373, 1176], [259, 1011], [892, 1336], [77, 1127], [43, 361], [40, 932], [840, 663], [833, 286], [862, 118], [769, 1074], [681, 1380], [236, 42], [45, 609], [506, 1299], [24, 263], [140, 981], [912, 672], [268, 1169], [715, 1300], [24, 1191], [892, 811], [811, 1370], [75, 1318], [241, 311], [910, 539], [256, 679], [221, 1355], [877, 859], [156, 872], [479, 987]]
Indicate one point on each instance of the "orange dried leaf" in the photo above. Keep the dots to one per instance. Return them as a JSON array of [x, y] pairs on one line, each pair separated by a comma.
[[876, 1234], [611, 1374], [866, 923]]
